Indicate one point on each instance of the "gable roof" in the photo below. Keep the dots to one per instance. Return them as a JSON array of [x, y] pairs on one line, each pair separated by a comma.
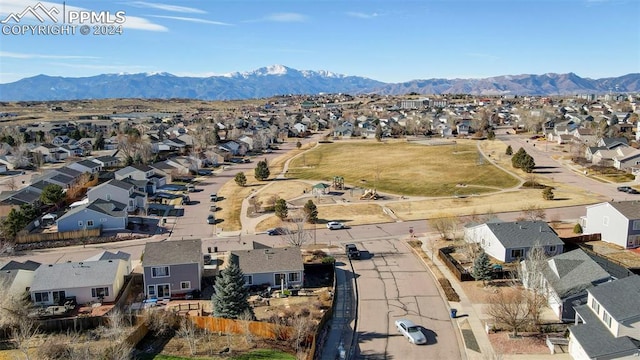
[[74, 275], [117, 183], [270, 260], [621, 298], [628, 209], [16, 265], [111, 208], [572, 272], [107, 255], [596, 340], [524, 233], [174, 252]]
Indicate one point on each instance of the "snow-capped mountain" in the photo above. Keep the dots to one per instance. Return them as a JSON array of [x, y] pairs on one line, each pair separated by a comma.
[[278, 80]]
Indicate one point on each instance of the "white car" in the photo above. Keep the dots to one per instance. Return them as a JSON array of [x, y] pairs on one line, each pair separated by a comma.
[[334, 225], [411, 331]]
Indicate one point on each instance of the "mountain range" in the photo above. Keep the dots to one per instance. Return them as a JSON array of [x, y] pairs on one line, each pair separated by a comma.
[[280, 80]]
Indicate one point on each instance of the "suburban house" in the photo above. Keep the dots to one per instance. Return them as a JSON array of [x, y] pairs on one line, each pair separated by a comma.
[[86, 166], [118, 255], [107, 161], [273, 266], [630, 158], [87, 281], [107, 215], [172, 268], [565, 279], [618, 222], [142, 173], [608, 325], [120, 191], [511, 241], [16, 277]]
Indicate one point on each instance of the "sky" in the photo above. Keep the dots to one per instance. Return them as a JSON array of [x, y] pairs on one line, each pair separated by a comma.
[[386, 40]]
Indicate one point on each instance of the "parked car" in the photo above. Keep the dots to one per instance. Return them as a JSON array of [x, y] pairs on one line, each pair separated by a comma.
[[211, 219], [213, 197], [335, 225], [633, 191], [411, 331], [352, 251], [276, 231], [624, 188]]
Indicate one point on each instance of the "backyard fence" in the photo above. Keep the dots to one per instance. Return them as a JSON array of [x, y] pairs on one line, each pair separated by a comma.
[[57, 236], [454, 266]]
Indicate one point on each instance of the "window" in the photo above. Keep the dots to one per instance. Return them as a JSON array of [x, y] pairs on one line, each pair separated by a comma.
[[606, 318], [279, 279], [595, 306], [552, 249], [605, 220], [185, 285], [162, 271], [89, 222], [108, 197], [41, 296], [636, 225], [517, 253], [248, 280], [58, 297], [151, 290], [294, 277], [80, 223], [99, 292]]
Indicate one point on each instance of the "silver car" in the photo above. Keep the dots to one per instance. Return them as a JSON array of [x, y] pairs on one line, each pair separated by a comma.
[[411, 331]]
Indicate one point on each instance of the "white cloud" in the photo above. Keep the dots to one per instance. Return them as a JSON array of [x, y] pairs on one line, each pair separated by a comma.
[[286, 17], [361, 15], [7, 54], [195, 20], [165, 7]]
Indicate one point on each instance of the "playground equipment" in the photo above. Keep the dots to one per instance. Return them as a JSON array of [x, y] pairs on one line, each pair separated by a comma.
[[338, 183], [370, 194]]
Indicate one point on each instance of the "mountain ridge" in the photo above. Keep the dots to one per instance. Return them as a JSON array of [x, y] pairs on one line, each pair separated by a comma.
[[278, 79]]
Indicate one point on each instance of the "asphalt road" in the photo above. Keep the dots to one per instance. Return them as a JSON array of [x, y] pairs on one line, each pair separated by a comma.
[[393, 284]]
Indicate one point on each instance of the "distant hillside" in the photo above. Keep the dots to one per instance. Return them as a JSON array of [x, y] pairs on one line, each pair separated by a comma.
[[279, 80]]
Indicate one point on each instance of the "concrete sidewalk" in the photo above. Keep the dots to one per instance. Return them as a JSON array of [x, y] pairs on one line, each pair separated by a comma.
[[470, 320]]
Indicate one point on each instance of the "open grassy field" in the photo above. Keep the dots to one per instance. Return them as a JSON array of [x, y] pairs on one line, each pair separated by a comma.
[[403, 168]]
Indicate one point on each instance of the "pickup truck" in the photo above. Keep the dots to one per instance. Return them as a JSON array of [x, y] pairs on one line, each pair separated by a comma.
[[352, 251]]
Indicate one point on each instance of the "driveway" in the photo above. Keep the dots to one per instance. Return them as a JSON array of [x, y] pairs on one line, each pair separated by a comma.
[[394, 284]]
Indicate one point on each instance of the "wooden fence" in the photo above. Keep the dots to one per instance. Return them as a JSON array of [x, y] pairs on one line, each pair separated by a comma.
[[260, 329], [77, 323], [57, 236], [137, 335], [460, 273]]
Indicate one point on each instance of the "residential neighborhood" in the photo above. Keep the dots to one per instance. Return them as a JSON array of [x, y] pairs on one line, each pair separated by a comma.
[[139, 210]]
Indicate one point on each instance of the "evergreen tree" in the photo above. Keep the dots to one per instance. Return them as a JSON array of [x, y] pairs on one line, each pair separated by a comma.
[[240, 179], [577, 229], [13, 223], [527, 164], [216, 135], [517, 158], [261, 171], [547, 193], [491, 135], [509, 151], [281, 209], [51, 194], [298, 144], [99, 144], [311, 210], [231, 296], [482, 268]]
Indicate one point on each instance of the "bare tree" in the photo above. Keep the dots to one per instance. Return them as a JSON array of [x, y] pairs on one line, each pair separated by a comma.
[[12, 184], [445, 225], [509, 307], [530, 273], [24, 334], [302, 326], [246, 319], [189, 332], [295, 234], [13, 306], [532, 213]]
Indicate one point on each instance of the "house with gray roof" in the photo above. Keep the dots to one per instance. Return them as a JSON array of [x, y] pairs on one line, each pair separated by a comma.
[[107, 161], [122, 192], [16, 265], [511, 241], [608, 325], [87, 281], [16, 282], [617, 222], [565, 279], [172, 269], [104, 214], [141, 173], [118, 255], [86, 166], [273, 266]]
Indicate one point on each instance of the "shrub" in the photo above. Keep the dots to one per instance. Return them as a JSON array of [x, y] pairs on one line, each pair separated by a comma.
[[577, 229], [547, 193]]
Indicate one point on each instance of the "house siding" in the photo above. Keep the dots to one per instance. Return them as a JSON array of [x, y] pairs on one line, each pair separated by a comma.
[[617, 228], [269, 278], [71, 223], [177, 274]]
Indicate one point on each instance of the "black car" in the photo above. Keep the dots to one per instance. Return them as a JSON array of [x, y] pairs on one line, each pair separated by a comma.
[[624, 188], [633, 191], [275, 231], [352, 251]]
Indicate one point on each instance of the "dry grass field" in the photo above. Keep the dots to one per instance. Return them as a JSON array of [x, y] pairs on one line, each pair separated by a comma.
[[403, 168]]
